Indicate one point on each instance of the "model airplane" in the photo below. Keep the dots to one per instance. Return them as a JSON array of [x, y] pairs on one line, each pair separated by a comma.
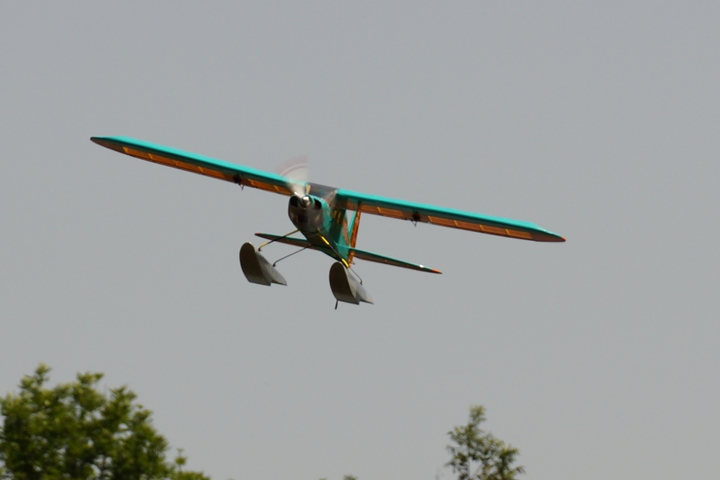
[[328, 217]]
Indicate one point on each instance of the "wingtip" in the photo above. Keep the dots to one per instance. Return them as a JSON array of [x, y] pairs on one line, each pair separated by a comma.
[[546, 236], [102, 141]]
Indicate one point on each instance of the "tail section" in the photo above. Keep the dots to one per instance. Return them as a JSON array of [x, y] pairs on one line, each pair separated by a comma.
[[352, 252]]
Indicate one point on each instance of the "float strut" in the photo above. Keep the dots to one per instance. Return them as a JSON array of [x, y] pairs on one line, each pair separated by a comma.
[[276, 239]]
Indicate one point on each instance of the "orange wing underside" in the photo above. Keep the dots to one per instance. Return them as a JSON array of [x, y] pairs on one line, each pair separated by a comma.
[[348, 200], [447, 222], [207, 171]]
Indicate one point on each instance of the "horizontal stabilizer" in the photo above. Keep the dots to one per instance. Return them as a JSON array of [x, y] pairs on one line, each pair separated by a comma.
[[295, 242], [374, 257]]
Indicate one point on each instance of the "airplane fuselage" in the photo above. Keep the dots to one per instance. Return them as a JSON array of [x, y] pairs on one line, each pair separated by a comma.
[[325, 228]]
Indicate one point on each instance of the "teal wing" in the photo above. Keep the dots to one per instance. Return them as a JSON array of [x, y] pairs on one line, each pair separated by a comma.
[[445, 217], [195, 163], [374, 257]]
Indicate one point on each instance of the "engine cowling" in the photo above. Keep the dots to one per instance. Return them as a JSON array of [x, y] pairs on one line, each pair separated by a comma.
[[306, 212]]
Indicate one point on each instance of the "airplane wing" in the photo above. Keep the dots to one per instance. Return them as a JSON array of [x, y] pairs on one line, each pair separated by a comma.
[[195, 163], [372, 204], [445, 217]]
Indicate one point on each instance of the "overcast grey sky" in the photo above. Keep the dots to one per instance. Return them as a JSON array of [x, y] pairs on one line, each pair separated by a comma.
[[597, 358]]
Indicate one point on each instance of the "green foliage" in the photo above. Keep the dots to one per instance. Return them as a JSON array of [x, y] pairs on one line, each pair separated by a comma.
[[478, 455], [177, 472], [74, 431]]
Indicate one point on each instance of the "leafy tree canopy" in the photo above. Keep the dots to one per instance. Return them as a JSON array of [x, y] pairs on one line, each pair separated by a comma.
[[73, 431], [478, 455]]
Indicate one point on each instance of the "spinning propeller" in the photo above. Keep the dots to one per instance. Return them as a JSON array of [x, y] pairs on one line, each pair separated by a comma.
[[295, 171]]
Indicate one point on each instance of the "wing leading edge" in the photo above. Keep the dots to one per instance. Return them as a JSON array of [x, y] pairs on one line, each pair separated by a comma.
[[445, 217], [195, 163]]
